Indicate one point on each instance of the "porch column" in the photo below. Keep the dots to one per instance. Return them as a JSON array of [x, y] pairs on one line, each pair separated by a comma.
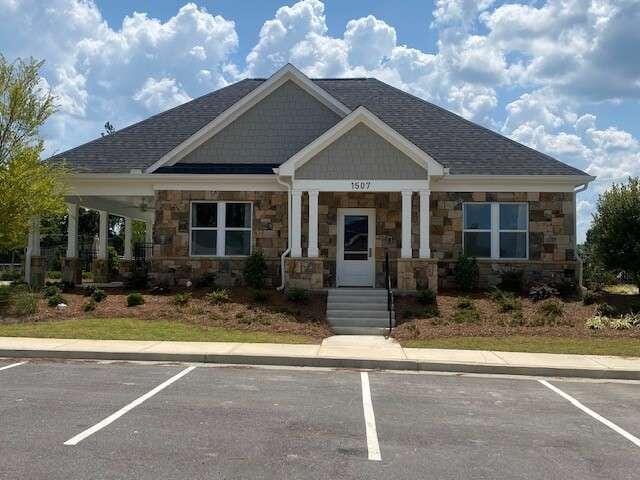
[[424, 252], [72, 230], [103, 234], [128, 238], [148, 233], [296, 223], [405, 251], [313, 224], [33, 262], [71, 265]]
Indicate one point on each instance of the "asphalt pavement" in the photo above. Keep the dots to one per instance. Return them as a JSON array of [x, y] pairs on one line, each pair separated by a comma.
[[127, 420]]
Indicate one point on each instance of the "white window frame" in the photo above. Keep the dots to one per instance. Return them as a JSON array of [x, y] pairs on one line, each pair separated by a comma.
[[495, 229], [220, 228]]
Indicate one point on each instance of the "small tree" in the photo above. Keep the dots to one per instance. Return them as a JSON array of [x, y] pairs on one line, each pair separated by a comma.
[[28, 186], [615, 233]]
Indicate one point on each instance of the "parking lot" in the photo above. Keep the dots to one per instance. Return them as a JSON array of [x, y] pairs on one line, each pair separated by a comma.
[[82, 420]]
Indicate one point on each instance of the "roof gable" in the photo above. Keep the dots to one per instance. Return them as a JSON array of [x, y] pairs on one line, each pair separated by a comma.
[[361, 116], [288, 73]]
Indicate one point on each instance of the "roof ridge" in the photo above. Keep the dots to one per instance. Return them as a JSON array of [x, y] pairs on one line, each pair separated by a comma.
[[477, 125]]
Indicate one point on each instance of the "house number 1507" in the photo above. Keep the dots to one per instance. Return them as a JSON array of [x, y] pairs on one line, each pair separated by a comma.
[[360, 185]]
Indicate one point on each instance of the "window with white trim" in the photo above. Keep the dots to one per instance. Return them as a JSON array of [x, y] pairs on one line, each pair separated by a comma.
[[220, 229], [496, 230]]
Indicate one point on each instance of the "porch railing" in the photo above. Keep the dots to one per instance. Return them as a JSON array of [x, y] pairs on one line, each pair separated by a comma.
[[387, 283]]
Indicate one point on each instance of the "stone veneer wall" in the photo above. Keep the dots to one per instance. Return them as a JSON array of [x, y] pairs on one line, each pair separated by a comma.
[[551, 236], [171, 258]]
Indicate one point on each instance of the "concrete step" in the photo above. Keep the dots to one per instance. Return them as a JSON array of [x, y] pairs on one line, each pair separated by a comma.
[[360, 301], [360, 331], [359, 322], [378, 306], [358, 313], [372, 292]]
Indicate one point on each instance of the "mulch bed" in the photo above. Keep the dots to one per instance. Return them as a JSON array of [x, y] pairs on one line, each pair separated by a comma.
[[276, 315], [414, 324]]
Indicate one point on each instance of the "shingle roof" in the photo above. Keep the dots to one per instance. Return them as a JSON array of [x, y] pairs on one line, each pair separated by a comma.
[[462, 146]]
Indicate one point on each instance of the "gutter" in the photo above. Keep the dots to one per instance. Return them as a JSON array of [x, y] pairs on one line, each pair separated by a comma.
[[580, 188], [288, 250]]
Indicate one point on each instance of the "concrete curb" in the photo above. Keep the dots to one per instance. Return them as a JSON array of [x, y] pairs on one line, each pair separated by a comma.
[[330, 362]]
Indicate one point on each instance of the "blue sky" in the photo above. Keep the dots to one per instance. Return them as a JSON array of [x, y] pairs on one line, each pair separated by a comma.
[[562, 76]]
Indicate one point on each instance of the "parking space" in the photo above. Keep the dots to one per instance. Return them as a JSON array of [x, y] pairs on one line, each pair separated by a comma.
[[232, 422]]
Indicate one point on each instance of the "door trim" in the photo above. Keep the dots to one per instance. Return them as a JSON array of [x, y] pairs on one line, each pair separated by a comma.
[[341, 212]]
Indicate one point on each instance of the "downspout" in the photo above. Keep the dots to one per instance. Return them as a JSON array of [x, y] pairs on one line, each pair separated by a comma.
[[288, 250], [581, 188]]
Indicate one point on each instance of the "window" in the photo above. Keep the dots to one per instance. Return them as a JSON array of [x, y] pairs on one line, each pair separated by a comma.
[[496, 230], [220, 228]]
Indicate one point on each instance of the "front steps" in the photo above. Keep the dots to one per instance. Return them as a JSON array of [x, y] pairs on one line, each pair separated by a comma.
[[358, 311]]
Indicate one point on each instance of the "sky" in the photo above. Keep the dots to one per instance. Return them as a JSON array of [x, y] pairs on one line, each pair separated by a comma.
[[561, 76]]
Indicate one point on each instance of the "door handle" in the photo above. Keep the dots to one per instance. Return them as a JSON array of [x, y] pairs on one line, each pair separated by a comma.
[[369, 252]]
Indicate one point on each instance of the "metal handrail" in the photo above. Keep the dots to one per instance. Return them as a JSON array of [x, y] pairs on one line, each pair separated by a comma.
[[387, 281]]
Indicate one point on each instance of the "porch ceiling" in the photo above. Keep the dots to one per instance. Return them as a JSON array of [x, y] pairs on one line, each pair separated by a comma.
[[137, 207]]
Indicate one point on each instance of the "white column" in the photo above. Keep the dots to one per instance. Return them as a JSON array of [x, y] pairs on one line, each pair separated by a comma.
[[128, 238], [296, 223], [313, 224], [148, 232], [103, 234], [33, 247], [425, 252], [405, 251], [72, 230]]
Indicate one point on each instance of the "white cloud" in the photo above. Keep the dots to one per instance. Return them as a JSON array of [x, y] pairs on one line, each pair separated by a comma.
[[96, 71], [157, 95]]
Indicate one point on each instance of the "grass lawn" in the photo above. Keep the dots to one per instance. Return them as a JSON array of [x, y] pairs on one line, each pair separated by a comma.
[[584, 346], [138, 329]]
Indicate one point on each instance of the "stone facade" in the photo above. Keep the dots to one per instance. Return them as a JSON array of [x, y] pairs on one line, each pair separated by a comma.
[[171, 261], [551, 235], [551, 238]]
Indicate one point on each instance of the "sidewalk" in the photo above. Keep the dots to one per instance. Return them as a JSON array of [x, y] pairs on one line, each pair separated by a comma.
[[337, 351]]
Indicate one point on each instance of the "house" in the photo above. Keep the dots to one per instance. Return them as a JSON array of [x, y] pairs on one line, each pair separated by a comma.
[[325, 177]]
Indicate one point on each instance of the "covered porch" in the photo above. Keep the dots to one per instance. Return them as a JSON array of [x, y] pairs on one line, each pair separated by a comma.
[[342, 232]]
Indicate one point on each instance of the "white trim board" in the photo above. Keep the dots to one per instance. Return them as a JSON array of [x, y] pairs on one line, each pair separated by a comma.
[[364, 185], [509, 183], [285, 74], [360, 116]]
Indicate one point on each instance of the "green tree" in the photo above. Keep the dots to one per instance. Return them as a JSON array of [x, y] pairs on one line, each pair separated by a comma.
[[614, 236], [28, 186]]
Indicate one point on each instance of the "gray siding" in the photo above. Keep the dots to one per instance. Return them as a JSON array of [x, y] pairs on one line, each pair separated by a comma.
[[361, 153], [269, 132]]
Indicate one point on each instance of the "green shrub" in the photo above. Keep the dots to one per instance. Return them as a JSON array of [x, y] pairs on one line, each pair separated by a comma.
[[466, 312], [542, 292], [113, 260], [98, 295], [182, 299], [605, 310], [219, 295], [88, 276], [426, 297], [54, 275], [566, 288], [549, 313], [5, 297], [90, 305], [596, 323], [51, 291], [55, 300], [512, 281], [623, 323], [24, 302], [298, 295], [517, 319], [260, 296], [255, 270], [507, 301], [466, 273], [633, 318], [134, 299], [88, 290], [10, 275], [590, 297]]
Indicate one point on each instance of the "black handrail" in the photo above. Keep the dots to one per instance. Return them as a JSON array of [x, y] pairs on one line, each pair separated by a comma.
[[387, 282]]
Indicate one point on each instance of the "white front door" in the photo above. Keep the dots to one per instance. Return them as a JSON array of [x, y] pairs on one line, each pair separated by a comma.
[[356, 244]]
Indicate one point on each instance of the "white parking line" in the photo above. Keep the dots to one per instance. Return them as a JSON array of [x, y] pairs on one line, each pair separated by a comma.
[[588, 411], [12, 365], [114, 416], [369, 419]]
